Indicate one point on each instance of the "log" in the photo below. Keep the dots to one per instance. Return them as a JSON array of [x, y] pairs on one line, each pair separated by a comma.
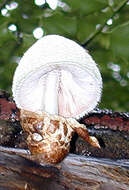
[[110, 128], [74, 172], [86, 169]]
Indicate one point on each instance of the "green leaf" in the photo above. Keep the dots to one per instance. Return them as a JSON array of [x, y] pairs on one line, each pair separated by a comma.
[[7, 45], [120, 41], [86, 7], [114, 95], [3, 20], [27, 25], [60, 24], [116, 4], [90, 24], [120, 17], [28, 41]]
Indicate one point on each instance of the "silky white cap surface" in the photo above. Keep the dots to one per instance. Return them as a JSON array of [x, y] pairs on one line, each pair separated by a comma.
[[39, 71]]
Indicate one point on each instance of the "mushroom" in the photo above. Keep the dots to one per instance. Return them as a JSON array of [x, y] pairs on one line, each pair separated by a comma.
[[55, 83]]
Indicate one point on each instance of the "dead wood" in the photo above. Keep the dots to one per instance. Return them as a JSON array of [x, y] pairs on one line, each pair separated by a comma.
[[74, 172], [19, 170]]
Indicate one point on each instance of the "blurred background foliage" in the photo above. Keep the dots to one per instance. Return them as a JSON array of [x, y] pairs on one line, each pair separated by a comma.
[[100, 26]]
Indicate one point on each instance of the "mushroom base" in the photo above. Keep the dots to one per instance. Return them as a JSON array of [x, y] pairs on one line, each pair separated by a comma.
[[49, 136]]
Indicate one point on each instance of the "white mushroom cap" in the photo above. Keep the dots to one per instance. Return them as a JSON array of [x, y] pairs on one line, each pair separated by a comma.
[[58, 76]]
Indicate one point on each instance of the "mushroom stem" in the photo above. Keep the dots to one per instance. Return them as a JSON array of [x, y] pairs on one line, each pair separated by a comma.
[[51, 93]]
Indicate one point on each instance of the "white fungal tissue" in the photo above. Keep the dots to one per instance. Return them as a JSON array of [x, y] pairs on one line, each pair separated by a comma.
[[58, 76]]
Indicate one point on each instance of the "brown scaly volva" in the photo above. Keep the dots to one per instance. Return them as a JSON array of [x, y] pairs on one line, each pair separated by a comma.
[[49, 136]]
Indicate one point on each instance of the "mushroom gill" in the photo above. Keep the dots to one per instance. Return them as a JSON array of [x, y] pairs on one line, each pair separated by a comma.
[[58, 76]]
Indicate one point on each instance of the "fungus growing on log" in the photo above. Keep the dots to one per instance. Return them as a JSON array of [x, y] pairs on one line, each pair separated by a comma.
[[55, 83]]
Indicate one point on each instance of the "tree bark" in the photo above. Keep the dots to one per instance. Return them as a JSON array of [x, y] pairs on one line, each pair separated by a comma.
[[106, 169], [74, 172]]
